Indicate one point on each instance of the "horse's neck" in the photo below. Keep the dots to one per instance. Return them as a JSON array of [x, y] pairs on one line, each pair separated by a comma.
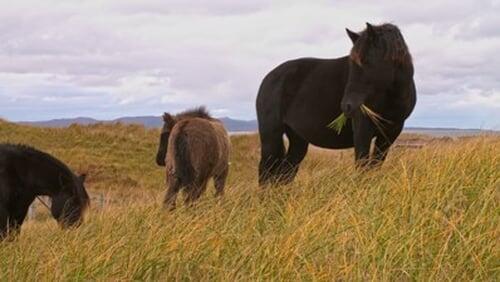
[[42, 182]]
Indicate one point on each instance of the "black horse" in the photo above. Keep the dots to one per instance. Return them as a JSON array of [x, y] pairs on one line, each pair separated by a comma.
[[301, 97], [26, 173]]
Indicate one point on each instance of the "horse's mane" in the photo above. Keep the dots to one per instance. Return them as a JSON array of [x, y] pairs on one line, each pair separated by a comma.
[[30, 151], [200, 112], [394, 45]]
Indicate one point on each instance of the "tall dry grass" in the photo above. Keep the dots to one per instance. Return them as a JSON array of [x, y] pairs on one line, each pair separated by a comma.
[[427, 214]]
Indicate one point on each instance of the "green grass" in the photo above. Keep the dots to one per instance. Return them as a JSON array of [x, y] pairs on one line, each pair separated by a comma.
[[338, 123], [427, 214]]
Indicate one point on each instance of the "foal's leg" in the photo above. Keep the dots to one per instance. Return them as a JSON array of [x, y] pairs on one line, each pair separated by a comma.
[[195, 190], [171, 196], [220, 182]]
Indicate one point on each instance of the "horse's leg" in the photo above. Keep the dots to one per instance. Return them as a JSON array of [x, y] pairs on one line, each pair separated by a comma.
[[220, 182], [272, 153], [171, 196], [18, 214], [5, 188], [271, 130], [4, 217], [384, 141], [297, 150], [196, 189], [363, 131]]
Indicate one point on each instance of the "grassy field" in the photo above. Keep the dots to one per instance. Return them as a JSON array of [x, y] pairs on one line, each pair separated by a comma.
[[428, 214]]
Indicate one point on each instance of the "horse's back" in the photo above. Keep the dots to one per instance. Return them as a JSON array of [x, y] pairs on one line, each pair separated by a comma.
[[224, 145], [207, 146], [305, 95], [7, 152], [10, 157], [284, 79], [12, 162]]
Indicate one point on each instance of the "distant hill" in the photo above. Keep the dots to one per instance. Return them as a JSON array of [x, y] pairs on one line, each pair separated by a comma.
[[61, 122], [451, 132], [235, 125]]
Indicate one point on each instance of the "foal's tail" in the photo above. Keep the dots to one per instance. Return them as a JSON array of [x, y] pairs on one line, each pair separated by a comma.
[[183, 167]]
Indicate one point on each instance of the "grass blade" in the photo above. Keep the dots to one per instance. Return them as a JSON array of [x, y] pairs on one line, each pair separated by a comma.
[[338, 123], [376, 118], [373, 115]]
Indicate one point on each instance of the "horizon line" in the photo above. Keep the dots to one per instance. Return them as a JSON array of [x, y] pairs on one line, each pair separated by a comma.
[[35, 122]]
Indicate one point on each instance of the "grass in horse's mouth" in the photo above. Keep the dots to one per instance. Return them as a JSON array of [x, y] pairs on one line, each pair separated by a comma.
[[339, 123]]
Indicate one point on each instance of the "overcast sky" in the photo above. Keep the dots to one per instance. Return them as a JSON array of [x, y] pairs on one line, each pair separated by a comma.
[[106, 59]]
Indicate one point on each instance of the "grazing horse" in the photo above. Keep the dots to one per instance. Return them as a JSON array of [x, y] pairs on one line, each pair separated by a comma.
[[26, 173], [194, 147], [299, 98]]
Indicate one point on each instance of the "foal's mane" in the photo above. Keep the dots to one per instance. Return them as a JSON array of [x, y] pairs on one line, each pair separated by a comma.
[[395, 47], [200, 112]]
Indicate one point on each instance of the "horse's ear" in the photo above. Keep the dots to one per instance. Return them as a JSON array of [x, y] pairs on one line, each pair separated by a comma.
[[352, 35], [370, 30], [167, 118]]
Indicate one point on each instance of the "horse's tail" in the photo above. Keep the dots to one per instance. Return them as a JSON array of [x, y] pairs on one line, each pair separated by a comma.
[[183, 166]]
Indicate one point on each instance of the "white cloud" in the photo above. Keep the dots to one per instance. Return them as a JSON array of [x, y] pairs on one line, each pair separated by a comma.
[[113, 58]]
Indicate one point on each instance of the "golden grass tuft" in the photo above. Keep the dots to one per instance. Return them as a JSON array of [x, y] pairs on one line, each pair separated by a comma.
[[426, 214]]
